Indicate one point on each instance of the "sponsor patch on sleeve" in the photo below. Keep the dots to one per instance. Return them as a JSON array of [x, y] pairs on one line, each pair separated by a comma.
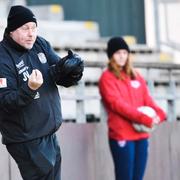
[[3, 83]]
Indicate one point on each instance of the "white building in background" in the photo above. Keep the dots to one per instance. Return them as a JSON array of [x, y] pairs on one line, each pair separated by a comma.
[[163, 25]]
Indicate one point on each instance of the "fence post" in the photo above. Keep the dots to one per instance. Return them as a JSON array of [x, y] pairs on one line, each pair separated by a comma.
[[171, 100], [150, 82], [80, 104]]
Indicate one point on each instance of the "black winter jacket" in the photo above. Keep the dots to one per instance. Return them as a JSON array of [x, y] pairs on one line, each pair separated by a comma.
[[26, 114]]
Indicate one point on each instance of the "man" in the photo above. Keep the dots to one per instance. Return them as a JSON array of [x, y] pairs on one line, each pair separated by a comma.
[[30, 110]]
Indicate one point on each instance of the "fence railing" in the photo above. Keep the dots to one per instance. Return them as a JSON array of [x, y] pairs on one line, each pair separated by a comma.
[[166, 75]]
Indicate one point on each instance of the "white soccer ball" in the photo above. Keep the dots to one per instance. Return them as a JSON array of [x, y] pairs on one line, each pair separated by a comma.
[[149, 112]]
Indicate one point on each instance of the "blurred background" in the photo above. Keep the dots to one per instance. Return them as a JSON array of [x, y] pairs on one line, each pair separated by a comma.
[[154, 23], [151, 28]]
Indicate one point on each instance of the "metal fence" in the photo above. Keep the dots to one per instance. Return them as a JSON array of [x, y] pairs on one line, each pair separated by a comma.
[[163, 75]]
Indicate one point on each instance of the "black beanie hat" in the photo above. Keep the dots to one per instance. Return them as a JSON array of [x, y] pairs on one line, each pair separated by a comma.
[[18, 16], [115, 44]]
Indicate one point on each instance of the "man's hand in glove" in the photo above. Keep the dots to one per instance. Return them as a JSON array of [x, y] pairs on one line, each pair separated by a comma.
[[69, 70]]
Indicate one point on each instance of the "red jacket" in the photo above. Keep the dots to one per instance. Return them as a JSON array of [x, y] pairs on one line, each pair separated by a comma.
[[121, 99]]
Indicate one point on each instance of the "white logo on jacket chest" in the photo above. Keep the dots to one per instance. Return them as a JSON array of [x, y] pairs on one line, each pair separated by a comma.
[[135, 84], [20, 64], [42, 58], [22, 69], [26, 75]]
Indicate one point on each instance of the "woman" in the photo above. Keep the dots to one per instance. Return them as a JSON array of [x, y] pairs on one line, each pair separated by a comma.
[[123, 92]]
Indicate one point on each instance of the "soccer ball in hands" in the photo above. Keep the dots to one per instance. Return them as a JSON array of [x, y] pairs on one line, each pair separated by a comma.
[[149, 112]]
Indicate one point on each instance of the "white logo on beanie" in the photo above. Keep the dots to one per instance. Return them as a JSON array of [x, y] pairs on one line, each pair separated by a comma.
[[42, 58]]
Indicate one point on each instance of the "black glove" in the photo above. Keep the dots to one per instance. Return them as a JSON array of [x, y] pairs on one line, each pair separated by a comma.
[[69, 70], [69, 80]]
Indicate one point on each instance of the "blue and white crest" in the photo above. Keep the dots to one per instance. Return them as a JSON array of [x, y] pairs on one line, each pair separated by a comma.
[[42, 58]]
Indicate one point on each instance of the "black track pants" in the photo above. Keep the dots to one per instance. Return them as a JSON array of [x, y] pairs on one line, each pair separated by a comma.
[[39, 159]]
